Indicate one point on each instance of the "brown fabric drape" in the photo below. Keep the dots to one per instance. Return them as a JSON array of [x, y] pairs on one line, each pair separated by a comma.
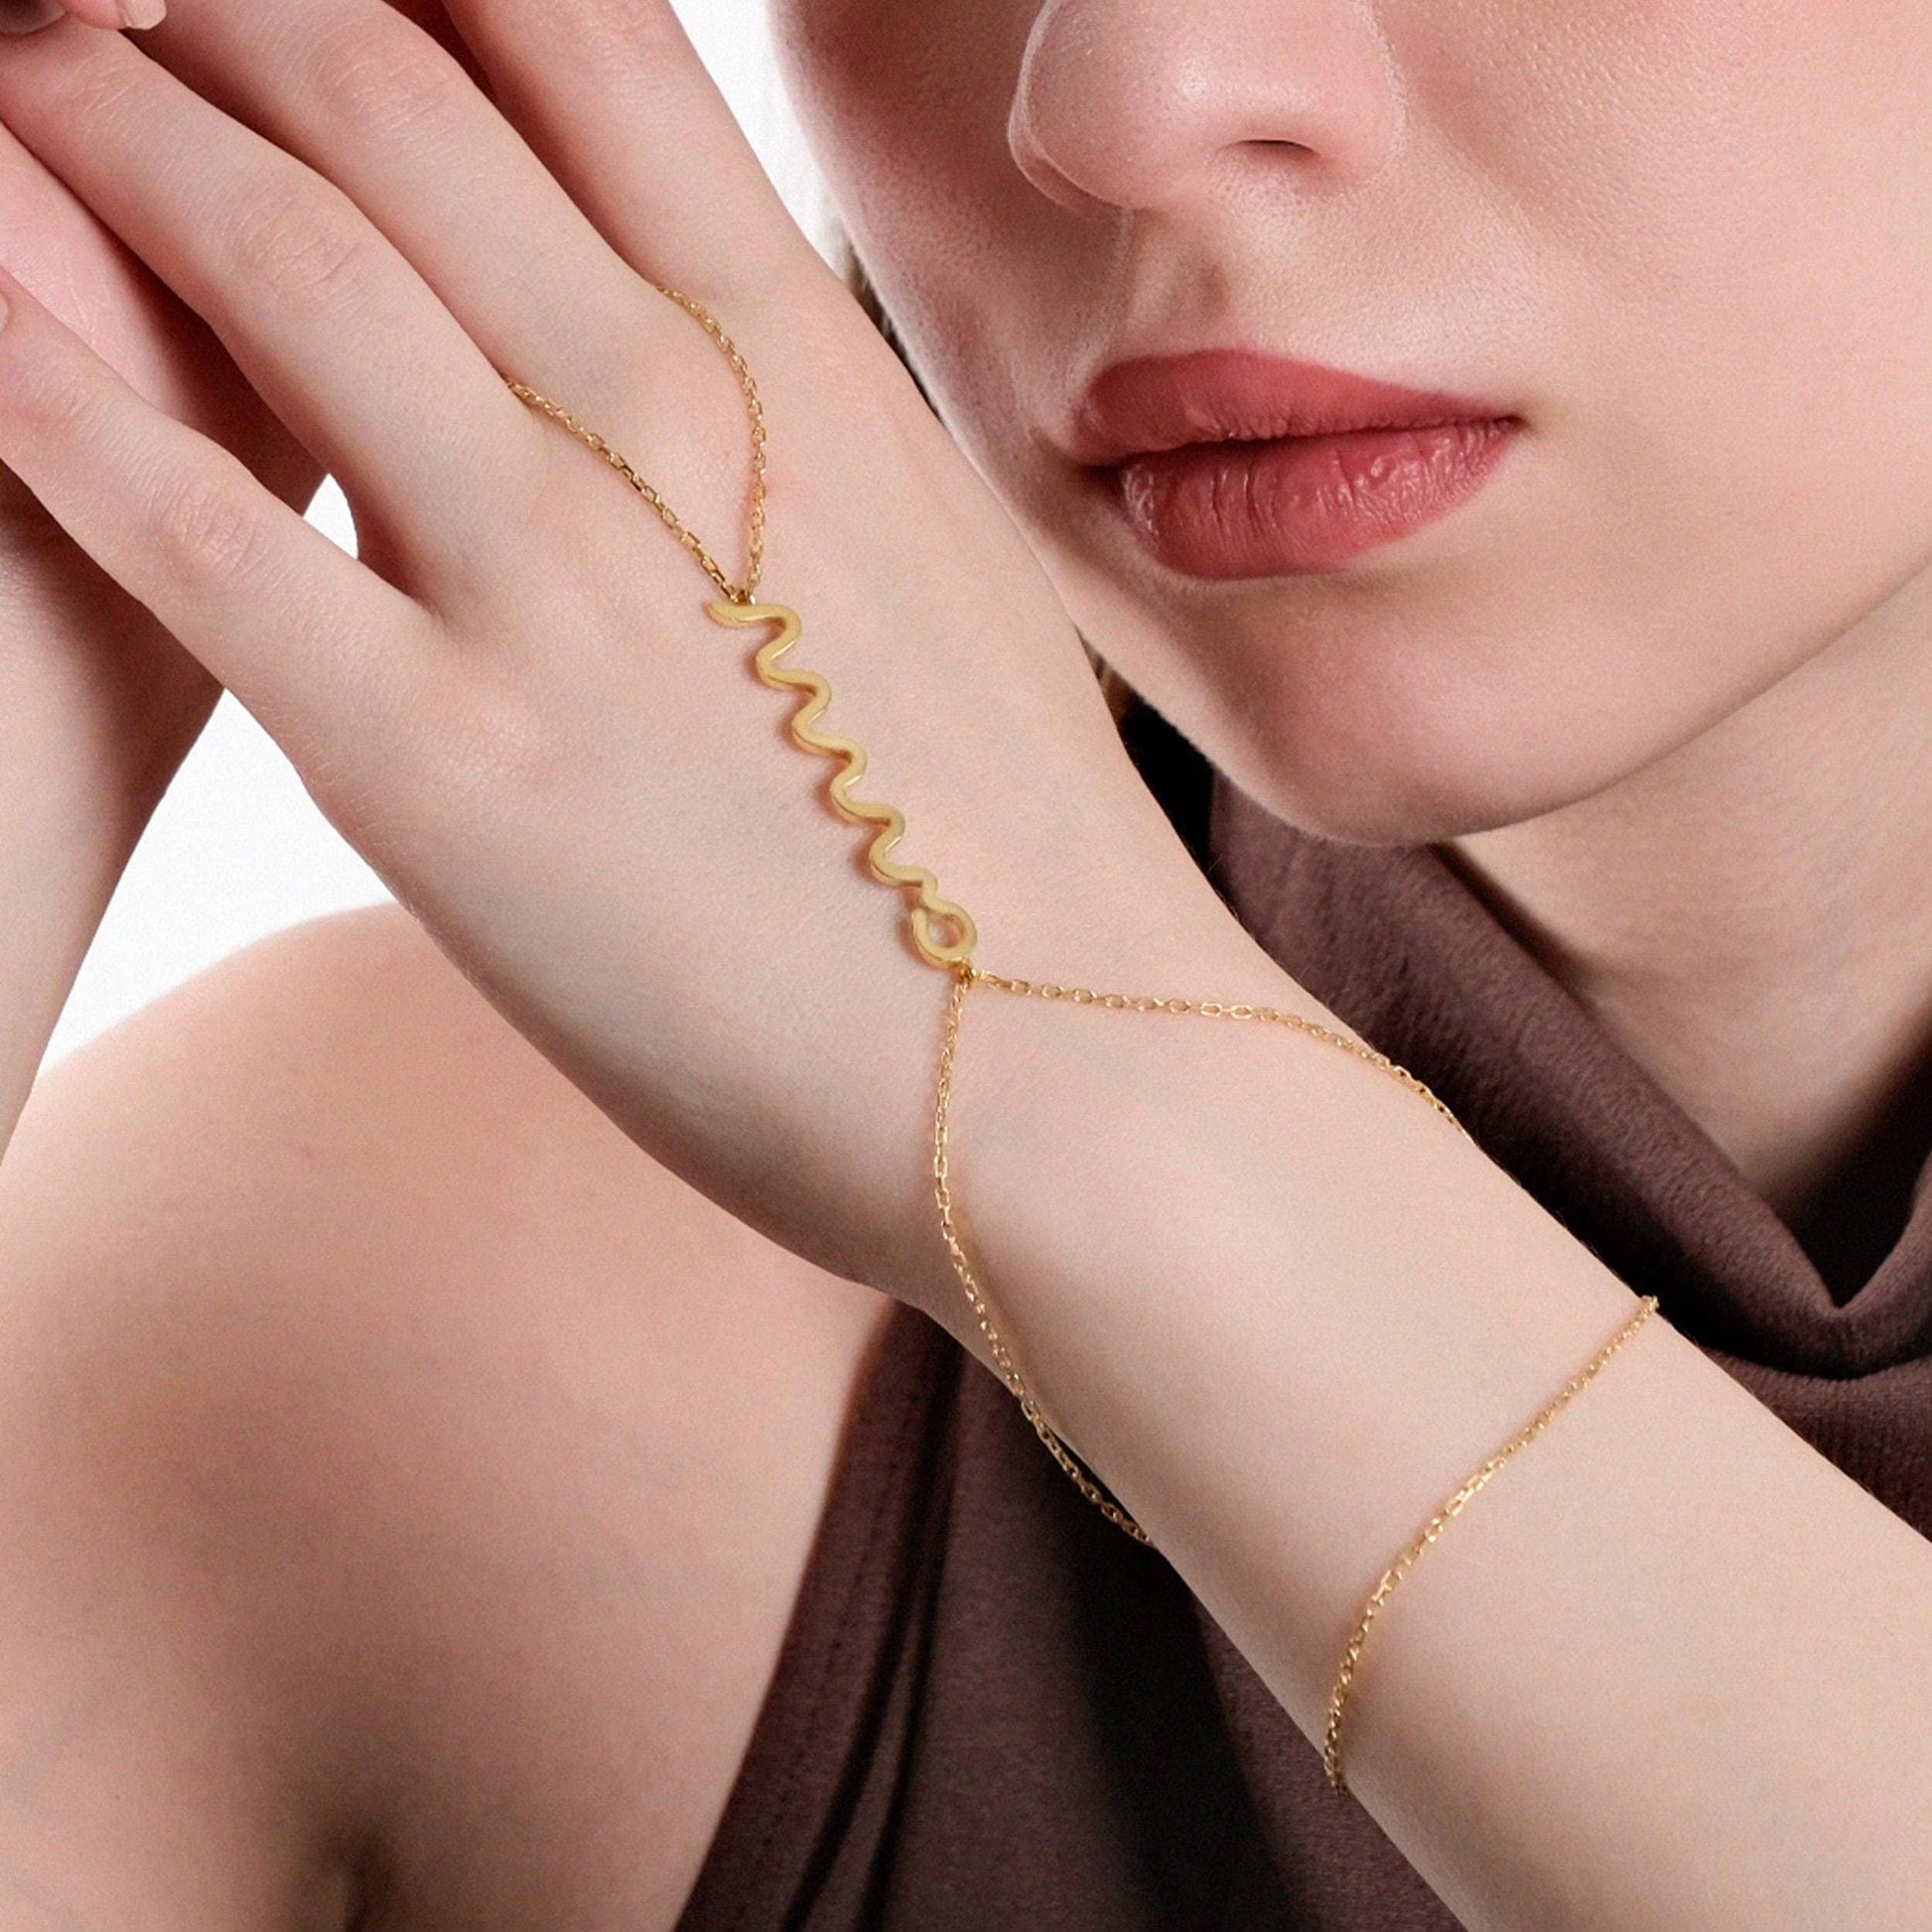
[[993, 1711]]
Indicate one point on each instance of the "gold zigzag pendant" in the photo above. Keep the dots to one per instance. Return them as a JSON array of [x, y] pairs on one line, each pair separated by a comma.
[[931, 917]]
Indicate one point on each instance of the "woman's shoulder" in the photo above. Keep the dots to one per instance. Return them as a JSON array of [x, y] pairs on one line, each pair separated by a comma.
[[339, 1097], [374, 1348]]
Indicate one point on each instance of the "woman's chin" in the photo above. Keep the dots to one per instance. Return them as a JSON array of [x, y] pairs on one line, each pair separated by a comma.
[[1407, 763]]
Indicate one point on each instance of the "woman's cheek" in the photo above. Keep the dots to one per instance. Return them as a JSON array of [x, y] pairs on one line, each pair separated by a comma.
[[1713, 279]]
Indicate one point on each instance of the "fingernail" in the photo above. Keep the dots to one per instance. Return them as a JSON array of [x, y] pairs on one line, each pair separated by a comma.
[[28, 16], [144, 13]]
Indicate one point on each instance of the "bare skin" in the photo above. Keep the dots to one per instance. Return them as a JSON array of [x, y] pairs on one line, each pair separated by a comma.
[[1669, 709], [1745, 916], [406, 1466], [234, 1235], [326, 1753]]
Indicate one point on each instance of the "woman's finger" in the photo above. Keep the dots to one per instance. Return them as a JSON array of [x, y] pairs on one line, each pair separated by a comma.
[[369, 100], [613, 97], [26, 16], [298, 628], [54, 244], [340, 335]]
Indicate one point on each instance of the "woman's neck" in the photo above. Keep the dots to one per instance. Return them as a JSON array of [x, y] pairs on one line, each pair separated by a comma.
[[1751, 918]]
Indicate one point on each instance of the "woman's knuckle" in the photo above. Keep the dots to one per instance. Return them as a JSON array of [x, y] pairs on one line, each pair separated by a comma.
[[644, 29], [300, 243], [493, 749], [207, 525], [378, 82], [59, 397]]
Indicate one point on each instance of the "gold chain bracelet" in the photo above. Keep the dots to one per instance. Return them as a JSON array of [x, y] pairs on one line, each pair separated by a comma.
[[945, 935], [1351, 1655], [969, 975]]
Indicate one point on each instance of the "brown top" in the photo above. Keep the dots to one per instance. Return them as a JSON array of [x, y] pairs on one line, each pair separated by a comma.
[[993, 1711]]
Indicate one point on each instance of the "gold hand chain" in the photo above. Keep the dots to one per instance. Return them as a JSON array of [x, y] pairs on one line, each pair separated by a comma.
[[944, 934]]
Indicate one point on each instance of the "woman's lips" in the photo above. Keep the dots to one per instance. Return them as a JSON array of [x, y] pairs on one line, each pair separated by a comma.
[[1228, 464], [1302, 503]]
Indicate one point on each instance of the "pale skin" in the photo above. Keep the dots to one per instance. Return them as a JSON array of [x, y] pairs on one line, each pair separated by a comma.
[[273, 1666]]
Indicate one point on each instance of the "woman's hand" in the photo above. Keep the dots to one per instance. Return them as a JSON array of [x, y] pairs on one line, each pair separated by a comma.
[[515, 704], [97, 703]]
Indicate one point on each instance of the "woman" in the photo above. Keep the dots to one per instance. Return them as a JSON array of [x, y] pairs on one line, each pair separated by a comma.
[[428, 1504]]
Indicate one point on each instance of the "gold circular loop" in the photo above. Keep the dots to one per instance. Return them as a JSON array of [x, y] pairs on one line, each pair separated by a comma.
[[932, 913]]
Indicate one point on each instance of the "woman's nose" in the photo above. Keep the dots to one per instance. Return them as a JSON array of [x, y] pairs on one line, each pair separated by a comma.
[[1138, 103]]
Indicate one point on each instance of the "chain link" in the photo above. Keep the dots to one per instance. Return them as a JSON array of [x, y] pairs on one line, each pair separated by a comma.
[[746, 592], [1351, 1657], [964, 976]]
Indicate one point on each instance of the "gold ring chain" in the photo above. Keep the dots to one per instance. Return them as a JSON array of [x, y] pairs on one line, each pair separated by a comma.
[[743, 593]]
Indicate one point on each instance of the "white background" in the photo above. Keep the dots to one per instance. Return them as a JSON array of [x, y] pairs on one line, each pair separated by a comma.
[[236, 848]]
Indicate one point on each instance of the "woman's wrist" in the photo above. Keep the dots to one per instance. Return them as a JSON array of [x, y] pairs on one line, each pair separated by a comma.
[[55, 885], [75, 797], [1282, 1308], [1254, 1282]]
